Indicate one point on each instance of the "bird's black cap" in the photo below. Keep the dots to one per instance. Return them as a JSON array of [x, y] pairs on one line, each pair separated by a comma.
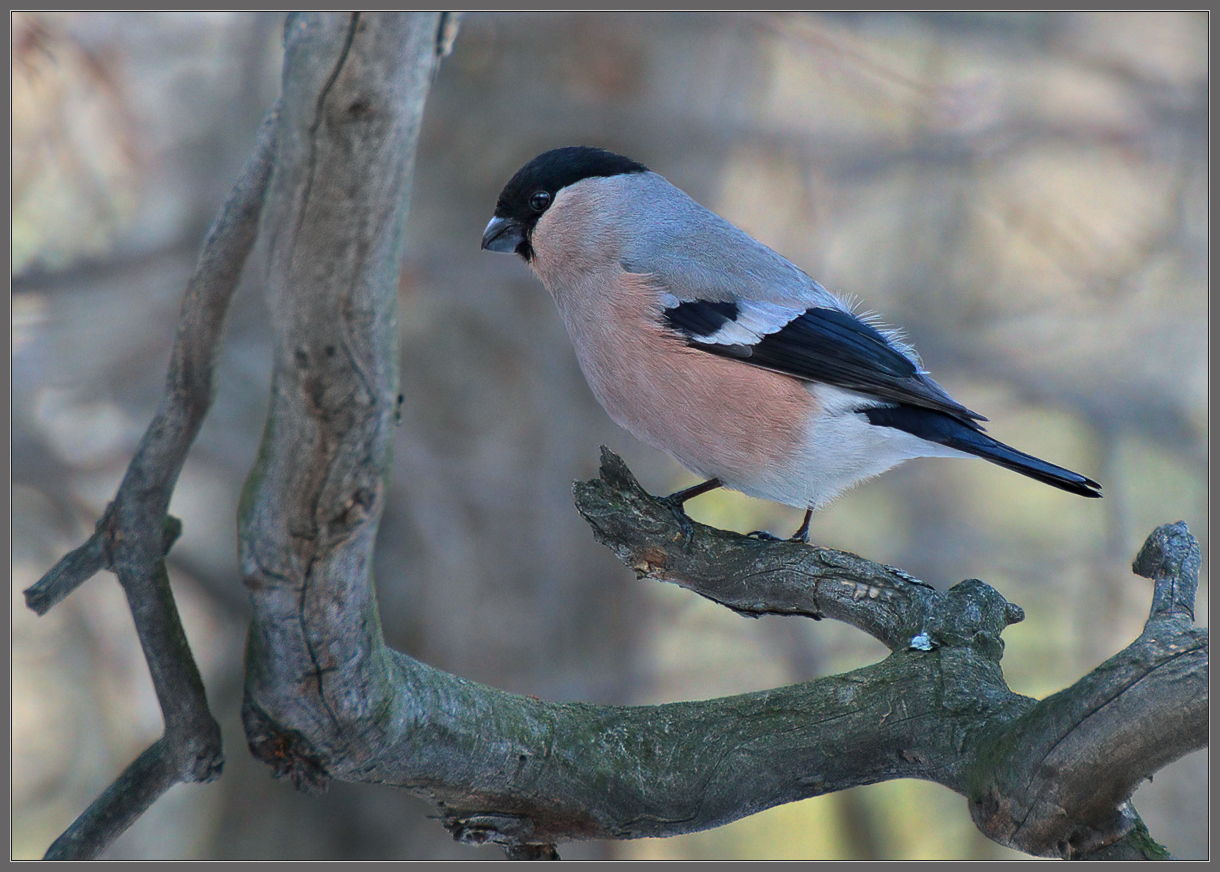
[[531, 191]]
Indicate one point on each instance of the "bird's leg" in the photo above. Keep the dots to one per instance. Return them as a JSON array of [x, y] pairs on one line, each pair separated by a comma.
[[679, 497], [802, 532], [675, 501]]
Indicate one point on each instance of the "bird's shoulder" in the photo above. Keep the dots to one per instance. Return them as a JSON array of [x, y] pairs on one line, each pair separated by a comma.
[[695, 254]]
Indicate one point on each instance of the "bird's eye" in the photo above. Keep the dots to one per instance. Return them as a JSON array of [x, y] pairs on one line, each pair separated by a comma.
[[539, 200]]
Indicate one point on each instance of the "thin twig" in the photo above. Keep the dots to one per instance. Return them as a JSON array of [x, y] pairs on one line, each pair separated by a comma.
[[158, 460], [118, 806], [135, 533]]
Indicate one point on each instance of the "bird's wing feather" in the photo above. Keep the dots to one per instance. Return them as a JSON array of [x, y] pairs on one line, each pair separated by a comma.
[[818, 344], [728, 294], [942, 429]]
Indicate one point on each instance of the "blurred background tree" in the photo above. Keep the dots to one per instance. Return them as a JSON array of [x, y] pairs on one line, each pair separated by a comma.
[[1024, 193]]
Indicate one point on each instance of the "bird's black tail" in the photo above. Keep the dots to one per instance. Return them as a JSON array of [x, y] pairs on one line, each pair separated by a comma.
[[966, 436]]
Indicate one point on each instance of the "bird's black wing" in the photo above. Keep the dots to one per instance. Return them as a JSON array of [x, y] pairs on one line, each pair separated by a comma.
[[820, 344]]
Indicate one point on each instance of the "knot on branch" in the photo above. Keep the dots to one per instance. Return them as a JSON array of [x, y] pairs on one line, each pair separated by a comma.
[[1170, 557], [1053, 835], [171, 529], [200, 751], [115, 530], [971, 614], [512, 832], [287, 752]]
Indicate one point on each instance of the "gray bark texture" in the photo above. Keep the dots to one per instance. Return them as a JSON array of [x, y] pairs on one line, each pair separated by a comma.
[[325, 698]]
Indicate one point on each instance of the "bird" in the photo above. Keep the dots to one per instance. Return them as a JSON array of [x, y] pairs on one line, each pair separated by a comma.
[[703, 342]]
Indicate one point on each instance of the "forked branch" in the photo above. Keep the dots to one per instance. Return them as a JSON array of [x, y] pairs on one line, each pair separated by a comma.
[[136, 531]]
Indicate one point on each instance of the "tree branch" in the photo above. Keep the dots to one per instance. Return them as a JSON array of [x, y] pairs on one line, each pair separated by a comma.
[[135, 533], [519, 771], [1058, 780], [755, 577], [1051, 778], [119, 805], [354, 87]]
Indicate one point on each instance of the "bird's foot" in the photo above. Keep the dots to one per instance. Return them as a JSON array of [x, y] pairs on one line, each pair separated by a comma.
[[801, 535], [683, 519], [675, 501]]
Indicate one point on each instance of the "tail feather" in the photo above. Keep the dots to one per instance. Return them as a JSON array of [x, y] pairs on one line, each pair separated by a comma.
[[944, 429]]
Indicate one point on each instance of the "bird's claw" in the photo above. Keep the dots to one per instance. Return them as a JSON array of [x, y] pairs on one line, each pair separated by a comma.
[[676, 502], [684, 521], [801, 536]]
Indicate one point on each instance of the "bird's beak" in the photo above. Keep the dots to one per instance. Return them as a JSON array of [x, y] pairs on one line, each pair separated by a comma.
[[503, 234]]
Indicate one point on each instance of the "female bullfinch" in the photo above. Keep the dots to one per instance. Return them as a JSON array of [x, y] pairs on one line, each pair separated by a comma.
[[701, 341]]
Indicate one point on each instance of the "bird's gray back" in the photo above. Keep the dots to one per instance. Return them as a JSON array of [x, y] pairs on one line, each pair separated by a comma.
[[697, 255]]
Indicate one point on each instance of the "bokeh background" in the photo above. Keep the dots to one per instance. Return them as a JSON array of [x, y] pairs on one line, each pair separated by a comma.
[[1025, 193]]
